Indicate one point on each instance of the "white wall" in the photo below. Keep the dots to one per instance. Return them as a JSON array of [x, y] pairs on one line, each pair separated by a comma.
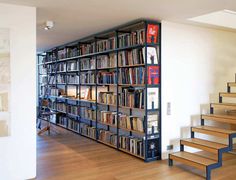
[[18, 152], [196, 64]]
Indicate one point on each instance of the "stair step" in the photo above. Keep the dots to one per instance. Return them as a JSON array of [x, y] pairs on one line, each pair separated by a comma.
[[231, 84], [209, 130], [192, 159], [224, 94], [220, 118], [225, 106], [203, 144]]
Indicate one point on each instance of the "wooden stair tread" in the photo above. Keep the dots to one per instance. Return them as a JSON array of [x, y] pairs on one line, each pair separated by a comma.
[[206, 143], [226, 94], [231, 84], [215, 129], [193, 158], [223, 104], [224, 116]]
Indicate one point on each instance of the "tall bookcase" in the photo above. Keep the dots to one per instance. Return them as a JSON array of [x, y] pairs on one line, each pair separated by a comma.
[[107, 87]]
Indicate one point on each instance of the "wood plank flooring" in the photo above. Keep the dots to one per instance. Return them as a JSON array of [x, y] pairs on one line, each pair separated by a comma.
[[67, 156]]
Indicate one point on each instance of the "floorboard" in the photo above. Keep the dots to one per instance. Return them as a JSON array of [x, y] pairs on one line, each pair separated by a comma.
[[67, 156]]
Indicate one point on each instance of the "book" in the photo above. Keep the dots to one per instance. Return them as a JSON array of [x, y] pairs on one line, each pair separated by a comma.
[[152, 33], [131, 39], [87, 130], [107, 137], [73, 79], [74, 110], [152, 98], [152, 122], [88, 113], [107, 44], [108, 117], [152, 56], [73, 124], [106, 61], [62, 120], [153, 74]]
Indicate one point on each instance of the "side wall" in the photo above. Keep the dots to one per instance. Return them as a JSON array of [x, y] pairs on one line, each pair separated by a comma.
[[196, 64], [18, 152]]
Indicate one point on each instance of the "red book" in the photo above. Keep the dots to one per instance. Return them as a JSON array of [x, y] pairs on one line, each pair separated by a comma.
[[152, 33], [153, 74]]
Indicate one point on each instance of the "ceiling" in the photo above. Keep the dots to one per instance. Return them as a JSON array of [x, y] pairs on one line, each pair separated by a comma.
[[75, 19]]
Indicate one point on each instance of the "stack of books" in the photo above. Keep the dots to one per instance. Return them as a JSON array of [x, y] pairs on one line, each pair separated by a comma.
[[87, 63], [86, 130], [74, 110]]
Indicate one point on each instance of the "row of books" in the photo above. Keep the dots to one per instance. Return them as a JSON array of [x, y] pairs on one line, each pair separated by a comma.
[[132, 97], [67, 52], [73, 110], [106, 77], [131, 39], [108, 117], [107, 44], [87, 48], [61, 78], [54, 92], [130, 57], [73, 79], [106, 61], [131, 123], [107, 136], [88, 77], [61, 107], [107, 98], [87, 63], [132, 144], [62, 120], [87, 113], [72, 66], [131, 75], [86, 130], [73, 125]]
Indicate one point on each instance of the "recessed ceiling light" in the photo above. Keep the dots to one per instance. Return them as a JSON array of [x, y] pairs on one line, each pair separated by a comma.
[[48, 25], [223, 18]]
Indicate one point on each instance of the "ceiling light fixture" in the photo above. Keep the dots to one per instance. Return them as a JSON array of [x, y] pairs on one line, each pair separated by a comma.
[[48, 25]]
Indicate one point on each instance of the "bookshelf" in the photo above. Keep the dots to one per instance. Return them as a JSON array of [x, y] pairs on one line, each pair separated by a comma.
[[107, 87]]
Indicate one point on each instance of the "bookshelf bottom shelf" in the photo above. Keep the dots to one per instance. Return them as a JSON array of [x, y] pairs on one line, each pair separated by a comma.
[[99, 141]]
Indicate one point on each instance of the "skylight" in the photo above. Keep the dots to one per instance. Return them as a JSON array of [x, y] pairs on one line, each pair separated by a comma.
[[223, 18]]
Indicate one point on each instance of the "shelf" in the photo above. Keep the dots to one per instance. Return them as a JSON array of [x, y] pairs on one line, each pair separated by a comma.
[[74, 71], [87, 119], [134, 131], [134, 65], [88, 84], [105, 104], [133, 85], [73, 115], [88, 101], [87, 70], [126, 151], [125, 107], [62, 126], [104, 68], [107, 124], [106, 84]]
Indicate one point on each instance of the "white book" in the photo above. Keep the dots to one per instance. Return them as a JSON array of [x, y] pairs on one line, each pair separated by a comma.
[[152, 98], [151, 55]]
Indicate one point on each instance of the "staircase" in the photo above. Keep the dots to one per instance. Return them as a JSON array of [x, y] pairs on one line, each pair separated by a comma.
[[207, 163]]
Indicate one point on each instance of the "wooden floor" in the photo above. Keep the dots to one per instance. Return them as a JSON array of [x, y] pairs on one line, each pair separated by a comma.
[[67, 156]]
